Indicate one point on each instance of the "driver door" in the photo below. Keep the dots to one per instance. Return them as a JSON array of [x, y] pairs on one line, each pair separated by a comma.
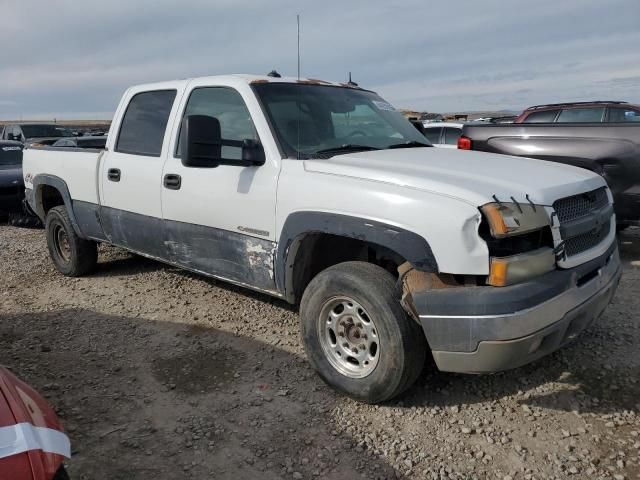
[[221, 221]]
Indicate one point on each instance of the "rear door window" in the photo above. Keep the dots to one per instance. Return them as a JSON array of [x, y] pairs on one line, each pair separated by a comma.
[[581, 115], [433, 134], [623, 115], [547, 116], [144, 123], [451, 135]]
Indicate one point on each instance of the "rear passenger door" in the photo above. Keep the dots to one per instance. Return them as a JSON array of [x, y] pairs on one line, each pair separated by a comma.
[[131, 173]]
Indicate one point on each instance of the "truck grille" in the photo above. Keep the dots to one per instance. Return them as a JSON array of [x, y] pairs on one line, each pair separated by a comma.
[[576, 208], [582, 243]]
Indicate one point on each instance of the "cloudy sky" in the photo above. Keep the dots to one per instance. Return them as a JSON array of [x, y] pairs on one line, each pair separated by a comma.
[[73, 59]]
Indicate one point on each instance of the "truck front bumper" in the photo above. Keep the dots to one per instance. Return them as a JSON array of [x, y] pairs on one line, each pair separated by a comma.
[[488, 329]]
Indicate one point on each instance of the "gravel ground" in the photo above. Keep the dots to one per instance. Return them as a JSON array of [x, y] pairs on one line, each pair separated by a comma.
[[157, 373]]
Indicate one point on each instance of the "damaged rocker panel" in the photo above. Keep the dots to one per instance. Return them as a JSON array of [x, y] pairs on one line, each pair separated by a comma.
[[234, 257]]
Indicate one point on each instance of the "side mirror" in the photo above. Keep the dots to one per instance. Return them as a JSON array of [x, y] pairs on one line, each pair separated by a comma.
[[252, 153], [200, 141], [201, 145]]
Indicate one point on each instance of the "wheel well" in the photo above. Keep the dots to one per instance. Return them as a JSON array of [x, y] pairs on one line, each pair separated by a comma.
[[50, 197], [315, 252]]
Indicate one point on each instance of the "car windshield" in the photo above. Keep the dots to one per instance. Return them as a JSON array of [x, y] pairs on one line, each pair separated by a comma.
[[10, 155], [319, 121], [37, 131]]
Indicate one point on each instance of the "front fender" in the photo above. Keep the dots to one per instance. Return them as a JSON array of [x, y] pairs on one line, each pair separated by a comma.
[[411, 246]]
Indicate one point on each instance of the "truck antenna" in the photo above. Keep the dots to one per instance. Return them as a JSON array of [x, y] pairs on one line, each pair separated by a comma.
[[298, 88], [298, 23]]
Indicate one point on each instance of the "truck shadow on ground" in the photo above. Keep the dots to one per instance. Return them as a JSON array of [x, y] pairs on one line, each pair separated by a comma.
[[580, 377], [144, 399]]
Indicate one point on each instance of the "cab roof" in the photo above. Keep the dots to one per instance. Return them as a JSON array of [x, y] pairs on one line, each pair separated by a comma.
[[243, 78]]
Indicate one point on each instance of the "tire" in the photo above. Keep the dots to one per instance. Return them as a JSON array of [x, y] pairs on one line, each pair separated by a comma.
[[357, 302], [72, 255]]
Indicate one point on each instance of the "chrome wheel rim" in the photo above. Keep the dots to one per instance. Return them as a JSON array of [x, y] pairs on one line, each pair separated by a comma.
[[349, 337], [61, 240]]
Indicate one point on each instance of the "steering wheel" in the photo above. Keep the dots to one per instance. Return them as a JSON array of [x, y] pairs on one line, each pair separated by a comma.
[[357, 132]]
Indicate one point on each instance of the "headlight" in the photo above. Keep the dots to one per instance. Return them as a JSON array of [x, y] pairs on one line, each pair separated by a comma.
[[518, 268], [507, 219]]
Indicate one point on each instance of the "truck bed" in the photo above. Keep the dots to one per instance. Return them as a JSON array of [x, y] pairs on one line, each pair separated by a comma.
[[77, 166]]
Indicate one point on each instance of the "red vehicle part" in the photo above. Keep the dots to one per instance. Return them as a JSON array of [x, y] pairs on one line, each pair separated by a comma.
[[22, 406], [464, 143]]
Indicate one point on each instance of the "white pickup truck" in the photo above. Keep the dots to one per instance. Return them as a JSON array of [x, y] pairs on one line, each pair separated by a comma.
[[324, 195]]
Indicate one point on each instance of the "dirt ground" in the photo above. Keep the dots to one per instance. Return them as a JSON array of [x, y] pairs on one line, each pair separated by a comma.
[[160, 374]]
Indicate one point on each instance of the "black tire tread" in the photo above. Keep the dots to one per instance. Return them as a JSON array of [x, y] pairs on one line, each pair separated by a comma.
[[381, 282], [84, 254]]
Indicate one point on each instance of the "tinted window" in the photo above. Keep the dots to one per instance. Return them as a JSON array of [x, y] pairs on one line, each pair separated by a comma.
[[349, 124], [546, 116], [229, 108], [623, 115], [451, 135], [433, 134], [35, 131], [315, 121], [581, 115], [145, 122], [92, 142]]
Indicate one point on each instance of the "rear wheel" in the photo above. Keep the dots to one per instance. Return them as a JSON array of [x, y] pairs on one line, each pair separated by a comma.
[[356, 334], [72, 255]]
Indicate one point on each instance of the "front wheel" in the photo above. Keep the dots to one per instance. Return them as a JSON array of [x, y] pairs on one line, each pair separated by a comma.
[[73, 256], [356, 334]]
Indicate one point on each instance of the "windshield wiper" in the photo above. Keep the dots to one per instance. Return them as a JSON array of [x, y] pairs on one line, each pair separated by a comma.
[[348, 147], [409, 144]]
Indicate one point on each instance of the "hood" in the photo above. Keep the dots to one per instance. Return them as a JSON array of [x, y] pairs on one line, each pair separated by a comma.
[[474, 177], [10, 175]]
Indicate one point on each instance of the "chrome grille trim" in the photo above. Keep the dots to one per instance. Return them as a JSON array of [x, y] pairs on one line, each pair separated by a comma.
[[578, 207], [586, 241]]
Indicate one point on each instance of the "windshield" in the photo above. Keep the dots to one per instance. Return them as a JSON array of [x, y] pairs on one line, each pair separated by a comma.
[[37, 131], [10, 155], [318, 121]]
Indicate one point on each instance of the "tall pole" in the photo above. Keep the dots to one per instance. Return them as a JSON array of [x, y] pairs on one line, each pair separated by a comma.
[[298, 22]]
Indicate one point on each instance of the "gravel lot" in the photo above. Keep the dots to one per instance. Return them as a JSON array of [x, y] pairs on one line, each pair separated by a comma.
[[157, 373]]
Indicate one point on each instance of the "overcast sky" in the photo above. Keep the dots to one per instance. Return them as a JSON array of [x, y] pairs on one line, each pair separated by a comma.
[[73, 59]]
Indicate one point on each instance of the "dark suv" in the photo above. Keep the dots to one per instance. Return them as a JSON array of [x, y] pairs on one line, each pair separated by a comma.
[[581, 112]]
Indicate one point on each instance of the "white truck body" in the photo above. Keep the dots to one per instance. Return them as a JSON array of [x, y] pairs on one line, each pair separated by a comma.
[[236, 222]]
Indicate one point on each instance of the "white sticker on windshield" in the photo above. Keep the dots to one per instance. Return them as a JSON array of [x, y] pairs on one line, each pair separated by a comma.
[[10, 149], [383, 105]]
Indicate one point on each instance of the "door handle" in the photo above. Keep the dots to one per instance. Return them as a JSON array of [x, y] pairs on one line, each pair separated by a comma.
[[172, 181], [113, 174]]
